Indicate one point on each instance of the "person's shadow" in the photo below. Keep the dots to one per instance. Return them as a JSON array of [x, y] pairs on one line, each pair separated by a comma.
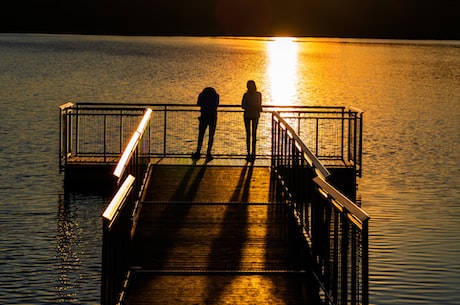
[[227, 249]]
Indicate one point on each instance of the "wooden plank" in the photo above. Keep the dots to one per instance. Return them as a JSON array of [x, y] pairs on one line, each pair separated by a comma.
[[211, 235], [191, 253], [209, 184], [272, 288], [186, 236]]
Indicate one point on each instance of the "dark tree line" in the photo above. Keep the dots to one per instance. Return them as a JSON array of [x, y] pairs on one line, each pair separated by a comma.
[[437, 19]]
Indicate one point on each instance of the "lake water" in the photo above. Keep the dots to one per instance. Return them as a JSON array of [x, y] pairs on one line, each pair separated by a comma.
[[409, 91]]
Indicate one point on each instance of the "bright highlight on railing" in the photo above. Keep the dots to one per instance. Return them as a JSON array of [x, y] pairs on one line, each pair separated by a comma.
[[66, 105], [117, 200], [357, 110], [127, 153], [145, 120], [345, 203]]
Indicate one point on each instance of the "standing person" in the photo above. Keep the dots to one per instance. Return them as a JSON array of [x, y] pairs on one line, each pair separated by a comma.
[[208, 100], [252, 105]]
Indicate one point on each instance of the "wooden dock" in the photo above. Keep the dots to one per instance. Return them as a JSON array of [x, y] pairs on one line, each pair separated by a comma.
[[222, 232], [212, 234]]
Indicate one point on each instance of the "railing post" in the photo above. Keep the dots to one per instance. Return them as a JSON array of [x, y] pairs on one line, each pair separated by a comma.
[[105, 138], [355, 142], [298, 123], [70, 138], [77, 119], [350, 136], [317, 137], [360, 148], [164, 129], [120, 131], [344, 259], [342, 134], [274, 135], [65, 129], [62, 139], [105, 279]]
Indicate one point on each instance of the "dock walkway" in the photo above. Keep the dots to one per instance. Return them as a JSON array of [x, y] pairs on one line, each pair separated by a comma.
[[212, 234], [223, 232]]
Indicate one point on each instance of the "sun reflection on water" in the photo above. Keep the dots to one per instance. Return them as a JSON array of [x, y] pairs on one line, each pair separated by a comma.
[[282, 70]]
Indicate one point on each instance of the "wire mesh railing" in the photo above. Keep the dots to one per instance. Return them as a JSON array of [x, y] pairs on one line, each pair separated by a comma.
[[95, 131], [101, 130], [332, 134]]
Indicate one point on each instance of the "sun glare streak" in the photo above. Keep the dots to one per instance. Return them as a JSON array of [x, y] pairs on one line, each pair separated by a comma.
[[282, 70]]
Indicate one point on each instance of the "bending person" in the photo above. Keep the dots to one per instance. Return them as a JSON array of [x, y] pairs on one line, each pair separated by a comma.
[[208, 100], [252, 105]]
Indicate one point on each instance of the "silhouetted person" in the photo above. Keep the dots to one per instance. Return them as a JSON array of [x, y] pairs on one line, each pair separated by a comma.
[[208, 100], [252, 105]]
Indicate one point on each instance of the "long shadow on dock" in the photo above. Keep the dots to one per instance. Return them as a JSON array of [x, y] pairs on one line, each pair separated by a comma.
[[212, 235], [221, 247]]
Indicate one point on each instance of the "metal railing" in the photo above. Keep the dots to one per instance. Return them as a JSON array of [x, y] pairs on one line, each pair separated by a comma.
[[339, 244], [95, 131], [120, 216], [102, 130], [335, 229], [136, 155], [332, 133], [116, 243]]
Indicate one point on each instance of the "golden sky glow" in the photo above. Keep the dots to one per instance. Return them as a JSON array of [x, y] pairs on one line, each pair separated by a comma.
[[282, 70]]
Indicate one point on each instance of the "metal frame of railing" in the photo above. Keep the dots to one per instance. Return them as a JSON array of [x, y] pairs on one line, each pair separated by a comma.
[[339, 245], [102, 129], [95, 130], [136, 155], [331, 133], [335, 229], [65, 134], [120, 216], [116, 243]]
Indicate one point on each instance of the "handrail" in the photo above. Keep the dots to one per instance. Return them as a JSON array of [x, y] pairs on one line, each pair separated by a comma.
[[116, 243], [339, 242], [143, 105], [345, 203], [311, 158], [113, 208], [119, 218], [335, 229], [66, 105], [355, 109], [132, 144]]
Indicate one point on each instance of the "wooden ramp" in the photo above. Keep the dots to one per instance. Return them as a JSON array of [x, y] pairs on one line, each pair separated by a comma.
[[213, 235]]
